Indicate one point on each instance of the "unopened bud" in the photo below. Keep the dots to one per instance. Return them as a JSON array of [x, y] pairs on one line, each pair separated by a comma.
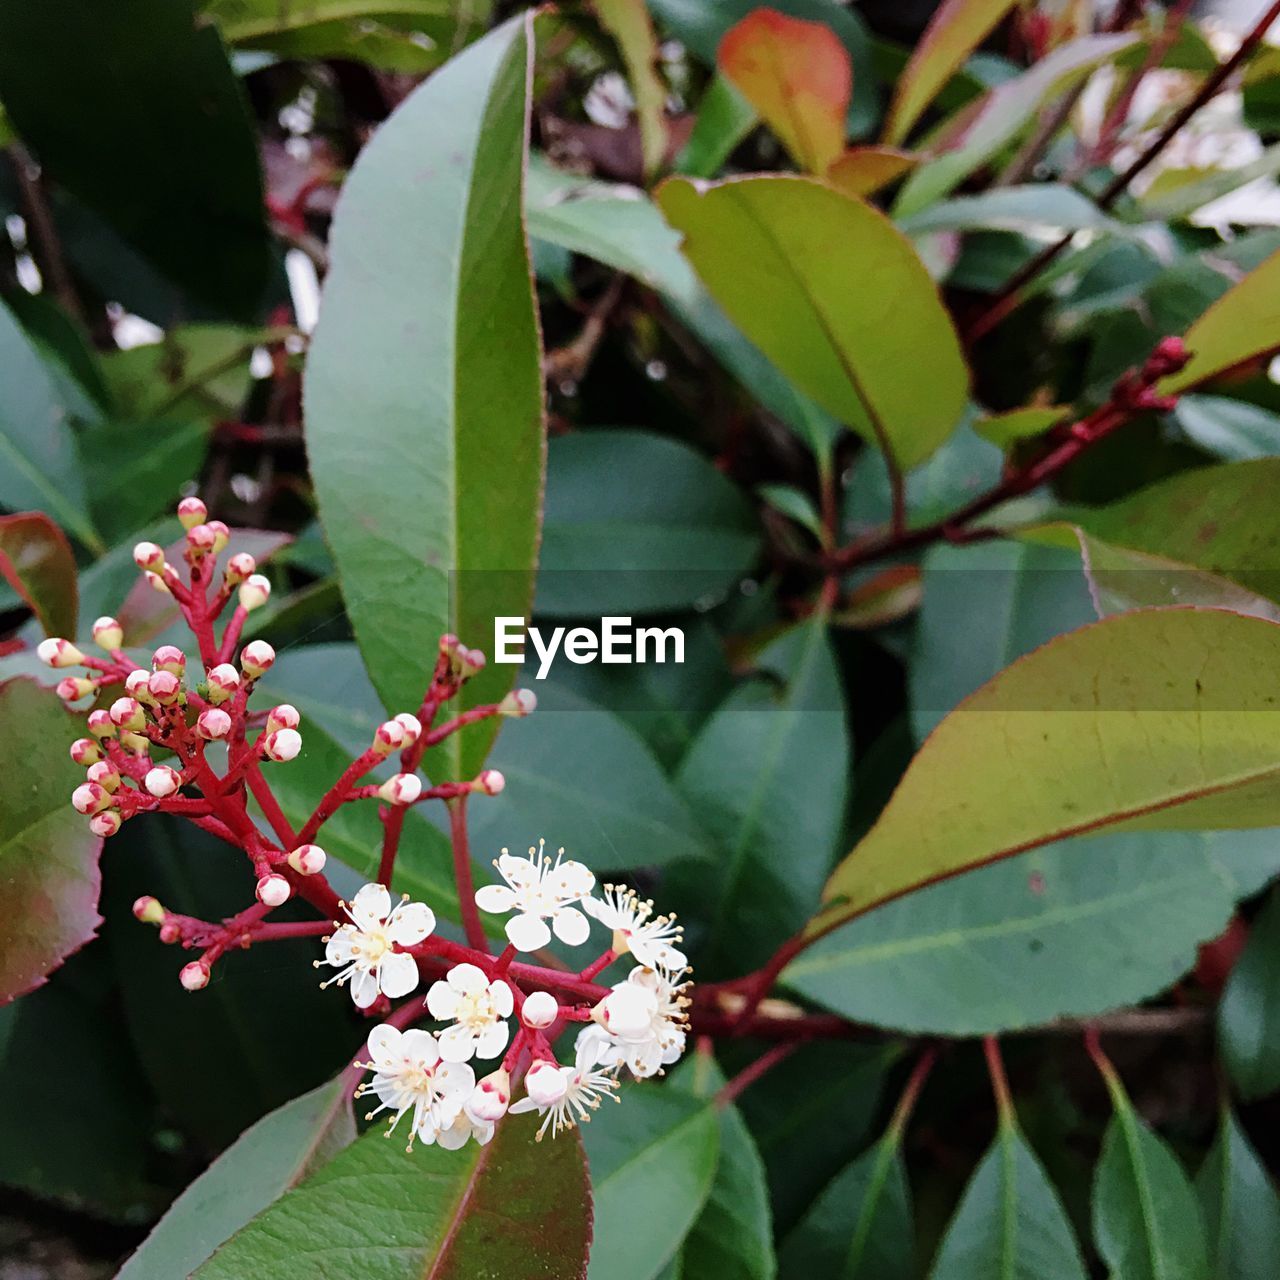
[[282, 745], [103, 772], [162, 781], [170, 932], [285, 716], [545, 1083], [256, 658], [164, 687], [221, 535], [239, 567], [223, 681], [84, 751], [191, 511], [487, 1103], [134, 742], [137, 684], [471, 662], [194, 976], [518, 703], [106, 823], [200, 540], [490, 781], [168, 657], [73, 688], [147, 556], [100, 724], [412, 727], [89, 798], [55, 652], [148, 910], [388, 737], [401, 789], [108, 634], [540, 1010], [157, 583], [308, 859], [127, 713], [255, 592], [273, 890], [1169, 356], [213, 725]]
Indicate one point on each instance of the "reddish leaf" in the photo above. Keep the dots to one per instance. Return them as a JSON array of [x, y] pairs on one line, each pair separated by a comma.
[[37, 562], [862, 171], [798, 76], [48, 858]]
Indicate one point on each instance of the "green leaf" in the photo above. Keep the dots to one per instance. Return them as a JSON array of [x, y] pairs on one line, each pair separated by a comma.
[[766, 776], [677, 532], [628, 22], [40, 466], [244, 21], [48, 856], [37, 562], [1241, 1209], [1249, 1015], [835, 295], [267, 1160], [167, 155], [652, 1160], [956, 29], [1005, 429], [860, 1227], [497, 1210], [428, 332], [1243, 323], [1132, 723], [1010, 1221], [1146, 1221], [724, 119], [1233, 430], [1038, 208]]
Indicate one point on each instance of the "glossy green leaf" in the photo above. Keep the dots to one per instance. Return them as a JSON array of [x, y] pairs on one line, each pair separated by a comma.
[[48, 856], [766, 778], [860, 1227], [1249, 1015], [1161, 719], [1039, 208], [652, 1161], [511, 1208], [1010, 1221], [1146, 1222], [1232, 430], [269, 1159], [665, 532], [724, 119], [167, 154], [37, 562], [1240, 1205], [835, 296], [428, 337]]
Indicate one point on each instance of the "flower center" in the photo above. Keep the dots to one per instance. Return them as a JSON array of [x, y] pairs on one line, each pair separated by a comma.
[[475, 1011], [373, 945]]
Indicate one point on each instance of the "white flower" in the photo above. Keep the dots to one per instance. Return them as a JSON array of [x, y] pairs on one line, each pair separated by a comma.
[[649, 940], [462, 1130], [409, 1076], [583, 1087], [364, 949], [539, 889], [478, 1009], [640, 1024]]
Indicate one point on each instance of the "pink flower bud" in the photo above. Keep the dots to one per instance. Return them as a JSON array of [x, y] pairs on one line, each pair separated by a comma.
[[401, 789], [285, 716], [490, 782], [126, 713], [147, 556], [221, 535], [540, 1010], [137, 684], [518, 703], [106, 823], [157, 583], [84, 751], [200, 540], [449, 643], [100, 724], [170, 932], [256, 658], [223, 682], [164, 687], [73, 688], [104, 774], [148, 910], [89, 798], [162, 781], [191, 511], [134, 742], [488, 1101], [108, 634], [471, 660], [412, 727], [308, 859], [194, 976], [255, 592], [388, 737], [213, 725], [58, 653], [239, 567], [545, 1083], [168, 657], [283, 745], [273, 890]]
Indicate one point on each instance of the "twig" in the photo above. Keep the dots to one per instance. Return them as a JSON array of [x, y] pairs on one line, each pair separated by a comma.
[[752, 1072], [471, 922], [44, 238]]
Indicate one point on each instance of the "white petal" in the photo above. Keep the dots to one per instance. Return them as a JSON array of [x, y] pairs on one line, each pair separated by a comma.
[[384, 1043], [341, 947], [495, 897], [645, 1059], [503, 1001], [364, 988], [601, 911], [527, 933], [457, 1043], [456, 1135], [413, 922], [370, 906], [467, 978], [492, 1040], [517, 871], [575, 879], [442, 1000], [592, 1042], [668, 957], [571, 926], [482, 1131], [420, 1047], [455, 1080], [397, 974], [519, 1108]]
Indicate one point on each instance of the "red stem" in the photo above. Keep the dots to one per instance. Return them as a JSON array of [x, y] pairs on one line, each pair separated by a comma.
[[471, 922], [333, 798], [749, 1074], [270, 806]]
